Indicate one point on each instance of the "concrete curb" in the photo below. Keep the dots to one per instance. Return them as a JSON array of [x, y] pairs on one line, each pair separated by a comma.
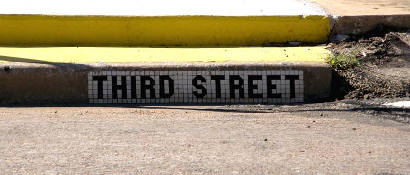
[[138, 55], [181, 31], [48, 82], [184, 31], [28, 83], [358, 25]]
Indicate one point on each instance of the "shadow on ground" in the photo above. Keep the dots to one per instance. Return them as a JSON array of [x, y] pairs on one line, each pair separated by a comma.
[[394, 113], [26, 60]]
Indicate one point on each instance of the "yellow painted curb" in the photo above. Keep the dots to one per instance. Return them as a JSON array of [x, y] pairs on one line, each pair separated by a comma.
[[185, 31], [127, 55]]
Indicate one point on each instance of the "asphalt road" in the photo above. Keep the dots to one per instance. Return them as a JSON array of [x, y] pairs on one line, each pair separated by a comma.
[[327, 138]]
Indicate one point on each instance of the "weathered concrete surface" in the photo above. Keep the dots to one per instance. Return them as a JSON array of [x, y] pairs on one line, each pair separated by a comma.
[[360, 16], [365, 7], [329, 138], [43, 84], [34, 83], [357, 25]]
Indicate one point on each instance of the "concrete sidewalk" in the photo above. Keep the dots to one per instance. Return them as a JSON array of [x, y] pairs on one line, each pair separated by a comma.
[[162, 8]]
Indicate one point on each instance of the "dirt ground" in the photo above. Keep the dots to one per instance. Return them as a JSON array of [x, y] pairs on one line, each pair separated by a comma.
[[367, 7], [327, 138], [383, 70]]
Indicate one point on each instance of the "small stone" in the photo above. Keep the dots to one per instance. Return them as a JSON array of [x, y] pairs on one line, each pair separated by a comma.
[[314, 121], [330, 45], [308, 126], [321, 114], [372, 48], [7, 69], [354, 129], [265, 140]]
